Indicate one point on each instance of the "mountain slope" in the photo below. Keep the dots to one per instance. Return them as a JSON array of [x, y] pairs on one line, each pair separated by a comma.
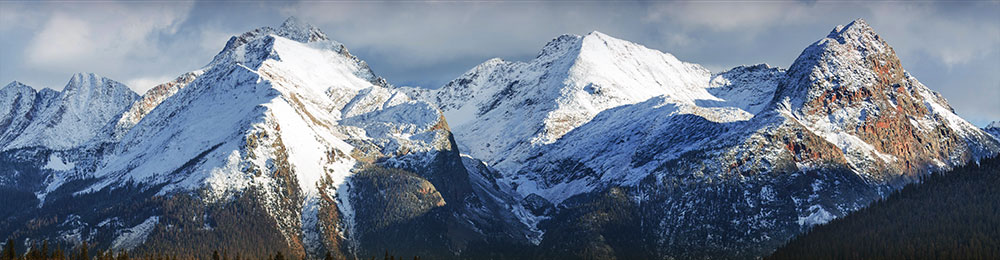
[[284, 134], [957, 211], [152, 98]]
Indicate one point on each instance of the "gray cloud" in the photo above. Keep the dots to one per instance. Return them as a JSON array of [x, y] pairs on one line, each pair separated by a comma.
[[951, 47]]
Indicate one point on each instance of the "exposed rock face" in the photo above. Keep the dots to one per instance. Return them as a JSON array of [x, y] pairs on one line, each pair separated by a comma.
[[853, 90]]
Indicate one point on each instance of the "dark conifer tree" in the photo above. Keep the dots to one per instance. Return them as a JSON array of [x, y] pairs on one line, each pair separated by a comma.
[[950, 215], [84, 254], [45, 249], [9, 253], [59, 254]]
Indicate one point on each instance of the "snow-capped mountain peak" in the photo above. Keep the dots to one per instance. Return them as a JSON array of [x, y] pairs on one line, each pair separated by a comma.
[[851, 89], [502, 109], [857, 31], [297, 30], [846, 47], [993, 129], [252, 48], [16, 105], [62, 120], [13, 85], [89, 89]]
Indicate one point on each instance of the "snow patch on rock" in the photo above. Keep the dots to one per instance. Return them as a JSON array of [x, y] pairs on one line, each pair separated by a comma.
[[130, 238]]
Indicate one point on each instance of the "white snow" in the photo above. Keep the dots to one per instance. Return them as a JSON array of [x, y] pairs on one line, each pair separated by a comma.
[[953, 121], [57, 163], [75, 115], [817, 215], [129, 238], [347, 213], [310, 225], [500, 110]]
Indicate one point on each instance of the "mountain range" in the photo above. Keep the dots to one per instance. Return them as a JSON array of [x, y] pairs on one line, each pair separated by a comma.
[[596, 148]]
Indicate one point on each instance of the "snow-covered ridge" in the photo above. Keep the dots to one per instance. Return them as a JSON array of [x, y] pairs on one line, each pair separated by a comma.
[[150, 100], [66, 119], [499, 110], [17, 102], [750, 88]]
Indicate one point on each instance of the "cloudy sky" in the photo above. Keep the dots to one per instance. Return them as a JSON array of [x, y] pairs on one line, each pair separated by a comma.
[[953, 47]]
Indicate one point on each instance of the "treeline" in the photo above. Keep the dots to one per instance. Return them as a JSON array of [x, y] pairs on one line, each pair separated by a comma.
[[953, 215], [81, 252], [84, 252]]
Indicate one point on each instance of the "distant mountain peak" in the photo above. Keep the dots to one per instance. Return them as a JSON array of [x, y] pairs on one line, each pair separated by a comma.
[[572, 79], [63, 120], [93, 80], [14, 84], [83, 89], [993, 129]]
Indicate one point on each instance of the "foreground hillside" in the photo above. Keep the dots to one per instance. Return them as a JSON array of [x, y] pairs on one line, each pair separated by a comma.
[[947, 216]]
